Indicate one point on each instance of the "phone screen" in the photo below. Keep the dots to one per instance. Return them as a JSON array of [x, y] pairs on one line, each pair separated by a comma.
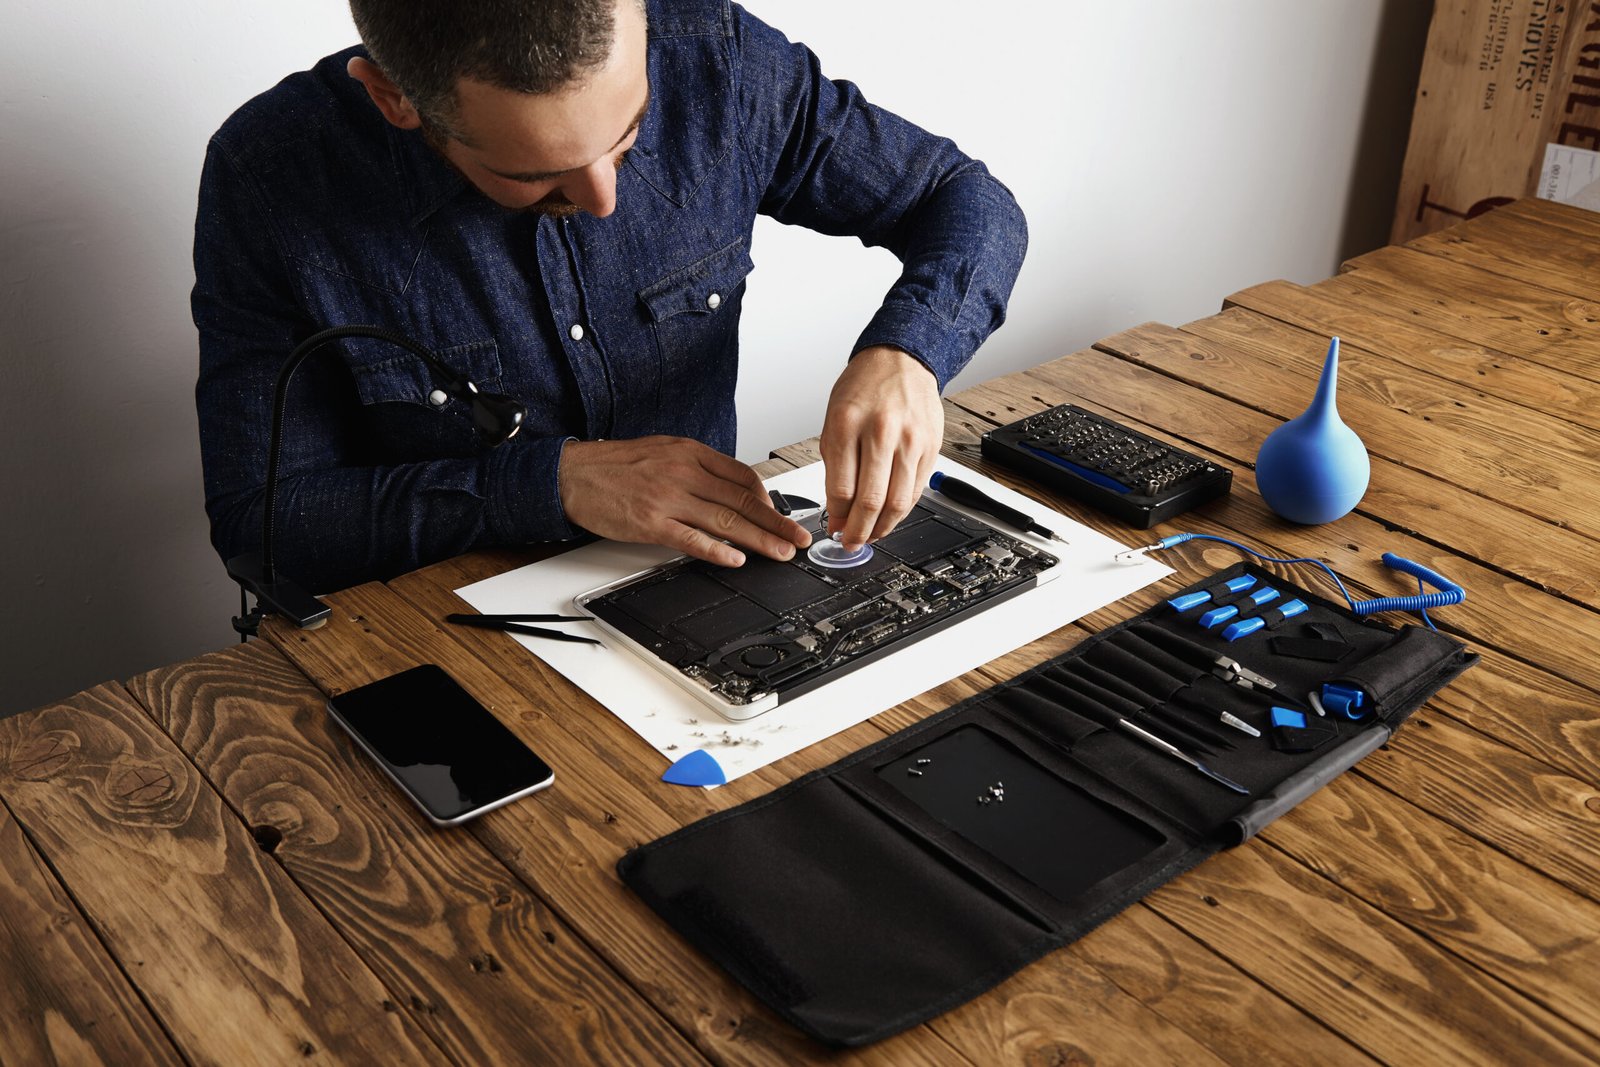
[[439, 744]]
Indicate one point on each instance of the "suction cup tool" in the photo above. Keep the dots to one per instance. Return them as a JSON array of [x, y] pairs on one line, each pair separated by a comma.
[[830, 553]]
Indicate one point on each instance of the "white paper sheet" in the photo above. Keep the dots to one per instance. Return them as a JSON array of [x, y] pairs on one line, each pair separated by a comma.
[[1571, 176], [676, 724]]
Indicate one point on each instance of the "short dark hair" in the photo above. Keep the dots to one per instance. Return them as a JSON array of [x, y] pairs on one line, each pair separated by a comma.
[[528, 46]]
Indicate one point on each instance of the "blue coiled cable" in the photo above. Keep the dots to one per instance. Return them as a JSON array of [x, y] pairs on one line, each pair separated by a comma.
[[1449, 592]]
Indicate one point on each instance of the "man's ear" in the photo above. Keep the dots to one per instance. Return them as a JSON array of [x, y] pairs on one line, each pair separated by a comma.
[[385, 93]]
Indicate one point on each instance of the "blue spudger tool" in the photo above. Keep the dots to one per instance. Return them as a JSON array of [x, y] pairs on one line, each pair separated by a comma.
[[1191, 600], [978, 500]]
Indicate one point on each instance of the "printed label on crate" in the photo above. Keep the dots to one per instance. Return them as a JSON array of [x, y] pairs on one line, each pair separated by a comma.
[[1571, 176]]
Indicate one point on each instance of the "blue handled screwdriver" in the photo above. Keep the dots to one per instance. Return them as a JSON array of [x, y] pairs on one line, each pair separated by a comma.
[[978, 500]]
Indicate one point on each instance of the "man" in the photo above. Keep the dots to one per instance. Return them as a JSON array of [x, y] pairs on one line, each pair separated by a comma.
[[557, 196]]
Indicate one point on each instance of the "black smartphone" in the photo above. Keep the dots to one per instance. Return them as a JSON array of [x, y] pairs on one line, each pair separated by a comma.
[[445, 750]]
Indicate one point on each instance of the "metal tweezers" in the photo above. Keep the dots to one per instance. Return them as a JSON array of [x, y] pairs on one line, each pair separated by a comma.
[[516, 624]]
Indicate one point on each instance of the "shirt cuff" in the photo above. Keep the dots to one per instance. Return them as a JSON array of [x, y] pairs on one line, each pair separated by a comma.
[[933, 342], [525, 492]]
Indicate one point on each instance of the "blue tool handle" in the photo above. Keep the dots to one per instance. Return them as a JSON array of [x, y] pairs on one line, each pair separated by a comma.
[[1218, 615], [1232, 585], [1343, 700], [1246, 627], [1243, 628], [1265, 595]]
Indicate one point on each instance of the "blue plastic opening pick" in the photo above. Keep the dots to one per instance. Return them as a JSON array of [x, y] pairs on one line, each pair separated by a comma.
[[697, 768]]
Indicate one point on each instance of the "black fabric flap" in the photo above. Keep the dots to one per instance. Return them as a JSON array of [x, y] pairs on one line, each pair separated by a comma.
[[911, 876]]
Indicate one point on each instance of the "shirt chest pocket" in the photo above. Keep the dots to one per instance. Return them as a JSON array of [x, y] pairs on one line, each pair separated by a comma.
[[703, 288], [694, 314], [397, 394], [384, 374]]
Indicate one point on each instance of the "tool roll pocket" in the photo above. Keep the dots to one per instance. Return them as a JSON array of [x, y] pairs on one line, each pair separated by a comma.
[[913, 875], [845, 919]]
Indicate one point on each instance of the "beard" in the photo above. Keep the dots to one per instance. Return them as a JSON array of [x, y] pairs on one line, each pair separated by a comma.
[[554, 205]]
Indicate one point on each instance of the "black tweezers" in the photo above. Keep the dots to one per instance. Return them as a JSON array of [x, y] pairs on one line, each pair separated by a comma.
[[515, 624]]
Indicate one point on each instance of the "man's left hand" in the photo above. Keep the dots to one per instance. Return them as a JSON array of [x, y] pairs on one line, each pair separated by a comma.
[[880, 439]]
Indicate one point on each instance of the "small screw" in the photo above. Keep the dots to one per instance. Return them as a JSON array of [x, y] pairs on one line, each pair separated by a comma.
[[914, 771], [921, 762]]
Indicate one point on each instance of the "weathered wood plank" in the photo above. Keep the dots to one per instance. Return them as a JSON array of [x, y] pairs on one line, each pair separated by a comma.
[[477, 960], [230, 956], [66, 1001], [1579, 220], [1525, 808], [566, 840], [1487, 309], [1360, 971], [1524, 459], [1394, 336], [1163, 965], [1499, 242], [1530, 933]]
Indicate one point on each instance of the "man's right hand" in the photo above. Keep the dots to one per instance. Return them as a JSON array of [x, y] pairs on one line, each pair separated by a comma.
[[675, 492]]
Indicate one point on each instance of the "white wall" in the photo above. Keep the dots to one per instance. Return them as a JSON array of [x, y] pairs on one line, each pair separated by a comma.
[[1166, 153]]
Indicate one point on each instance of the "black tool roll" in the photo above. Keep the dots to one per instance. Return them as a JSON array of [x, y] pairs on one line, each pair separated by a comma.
[[913, 875]]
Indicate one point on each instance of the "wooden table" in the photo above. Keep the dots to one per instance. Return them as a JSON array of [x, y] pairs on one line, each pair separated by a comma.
[[194, 867]]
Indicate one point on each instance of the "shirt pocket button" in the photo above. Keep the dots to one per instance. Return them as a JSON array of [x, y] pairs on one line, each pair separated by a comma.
[[714, 301]]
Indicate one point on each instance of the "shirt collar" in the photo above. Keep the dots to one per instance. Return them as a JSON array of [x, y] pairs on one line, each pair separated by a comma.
[[429, 180]]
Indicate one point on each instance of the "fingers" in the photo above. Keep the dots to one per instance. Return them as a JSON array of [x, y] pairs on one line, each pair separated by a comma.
[[674, 492], [741, 495], [874, 478], [839, 462], [880, 441]]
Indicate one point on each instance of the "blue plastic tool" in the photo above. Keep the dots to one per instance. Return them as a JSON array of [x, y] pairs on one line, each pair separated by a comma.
[[1245, 627], [1288, 717], [1293, 731], [1265, 595], [1449, 592], [1193, 600], [1343, 700], [697, 768]]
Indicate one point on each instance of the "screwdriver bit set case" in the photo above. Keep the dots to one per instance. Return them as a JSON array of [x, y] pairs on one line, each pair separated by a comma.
[[913, 875], [1130, 476]]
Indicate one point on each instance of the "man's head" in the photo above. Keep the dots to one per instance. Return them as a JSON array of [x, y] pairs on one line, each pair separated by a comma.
[[535, 102]]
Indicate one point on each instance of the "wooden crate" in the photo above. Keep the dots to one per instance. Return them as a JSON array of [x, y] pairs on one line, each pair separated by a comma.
[[1491, 93]]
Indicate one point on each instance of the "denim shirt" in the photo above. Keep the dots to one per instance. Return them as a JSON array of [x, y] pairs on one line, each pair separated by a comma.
[[314, 211]]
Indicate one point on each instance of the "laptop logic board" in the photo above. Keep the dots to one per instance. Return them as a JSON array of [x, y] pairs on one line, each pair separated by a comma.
[[747, 638]]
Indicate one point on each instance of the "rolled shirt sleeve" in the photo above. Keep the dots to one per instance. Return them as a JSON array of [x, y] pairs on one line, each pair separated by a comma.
[[833, 162]]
